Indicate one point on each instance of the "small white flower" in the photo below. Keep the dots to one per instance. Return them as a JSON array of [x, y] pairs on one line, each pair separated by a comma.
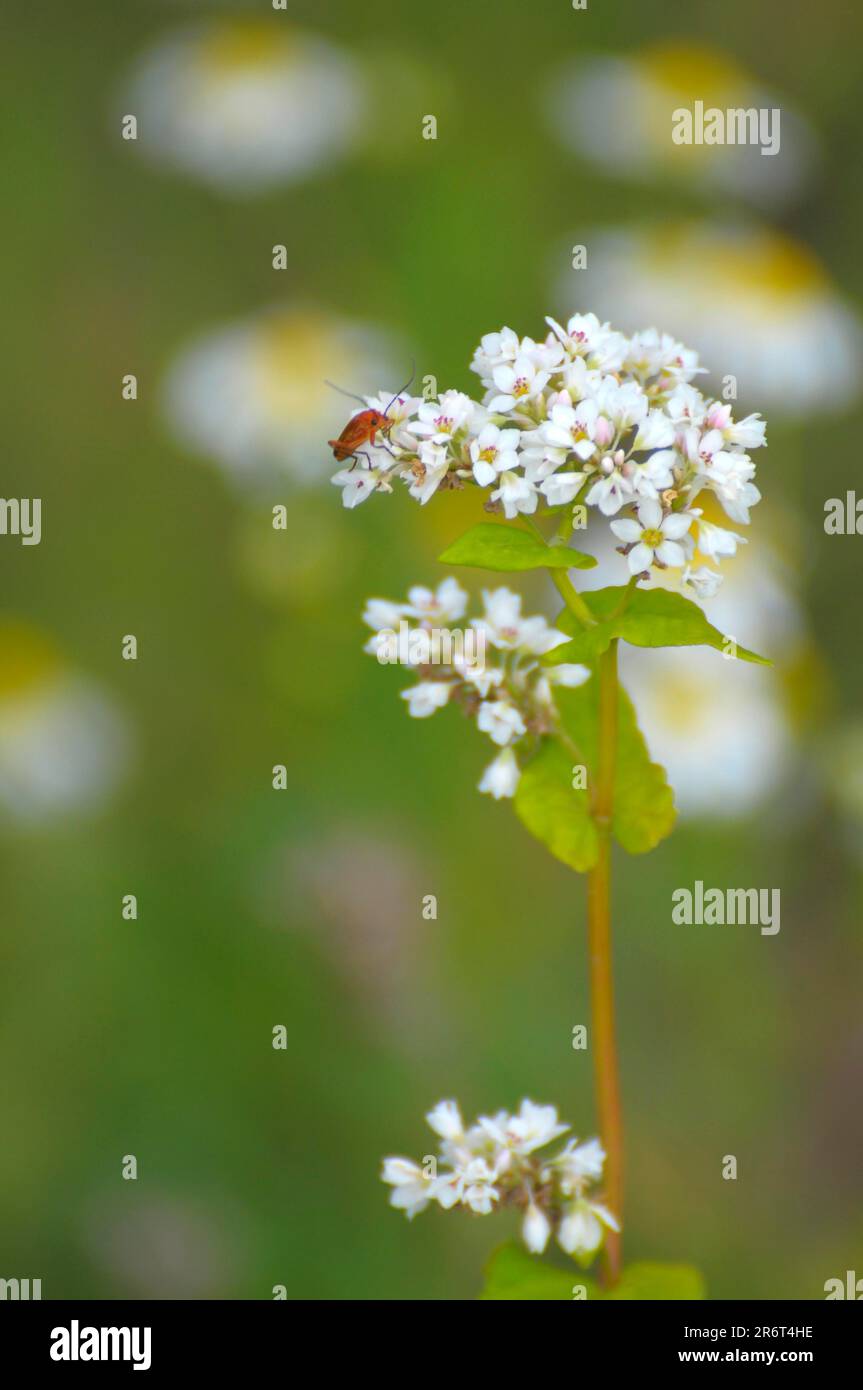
[[654, 354], [443, 605], [655, 432], [561, 488], [714, 541], [686, 406], [433, 468], [653, 537], [749, 433], [730, 477], [493, 451], [584, 336], [383, 613], [445, 1119], [578, 1165], [478, 1189], [580, 429], [650, 478], [412, 1190], [517, 384], [533, 1127], [506, 629], [439, 420], [482, 678], [516, 493], [535, 1229], [704, 583], [358, 483], [425, 697], [612, 490], [500, 720], [501, 777], [493, 351], [581, 1233]]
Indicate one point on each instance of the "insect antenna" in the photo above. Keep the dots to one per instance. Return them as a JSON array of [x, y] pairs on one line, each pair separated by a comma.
[[408, 383], [350, 394]]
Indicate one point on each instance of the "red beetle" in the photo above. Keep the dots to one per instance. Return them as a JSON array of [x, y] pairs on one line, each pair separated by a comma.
[[364, 427]]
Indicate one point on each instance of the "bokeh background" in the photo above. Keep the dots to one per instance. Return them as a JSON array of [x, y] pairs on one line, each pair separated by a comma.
[[256, 908]]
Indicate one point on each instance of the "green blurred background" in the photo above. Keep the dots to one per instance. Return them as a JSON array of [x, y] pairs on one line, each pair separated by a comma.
[[256, 908]]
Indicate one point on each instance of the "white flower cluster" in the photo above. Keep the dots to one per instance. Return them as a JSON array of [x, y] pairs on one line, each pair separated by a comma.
[[588, 417], [497, 1162], [511, 698]]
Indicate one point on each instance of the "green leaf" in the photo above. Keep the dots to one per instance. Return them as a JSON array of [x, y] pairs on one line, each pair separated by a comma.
[[512, 1274], [492, 547], [657, 1282], [643, 812], [651, 618], [547, 804]]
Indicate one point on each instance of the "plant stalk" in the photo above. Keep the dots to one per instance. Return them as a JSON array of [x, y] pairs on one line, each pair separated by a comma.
[[604, 1045]]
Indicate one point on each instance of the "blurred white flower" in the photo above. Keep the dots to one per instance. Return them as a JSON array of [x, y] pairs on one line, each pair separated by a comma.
[[579, 1163], [616, 113], [64, 746], [506, 629], [501, 721], [758, 306], [531, 1128], [245, 105], [445, 1119], [535, 1230], [446, 604], [425, 697], [253, 396], [500, 779], [412, 1190], [511, 701], [582, 1229], [497, 1161]]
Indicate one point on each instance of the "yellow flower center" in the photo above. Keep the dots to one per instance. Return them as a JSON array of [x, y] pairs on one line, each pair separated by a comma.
[[27, 659], [295, 352], [229, 47]]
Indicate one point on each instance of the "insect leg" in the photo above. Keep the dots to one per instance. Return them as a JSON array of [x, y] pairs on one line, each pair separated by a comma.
[[356, 456]]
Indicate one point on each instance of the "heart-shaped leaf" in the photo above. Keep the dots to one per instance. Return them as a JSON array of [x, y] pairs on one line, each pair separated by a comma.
[[492, 547]]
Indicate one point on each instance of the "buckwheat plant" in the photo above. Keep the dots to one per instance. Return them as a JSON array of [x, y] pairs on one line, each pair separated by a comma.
[[497, 1161], [587, 420]]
